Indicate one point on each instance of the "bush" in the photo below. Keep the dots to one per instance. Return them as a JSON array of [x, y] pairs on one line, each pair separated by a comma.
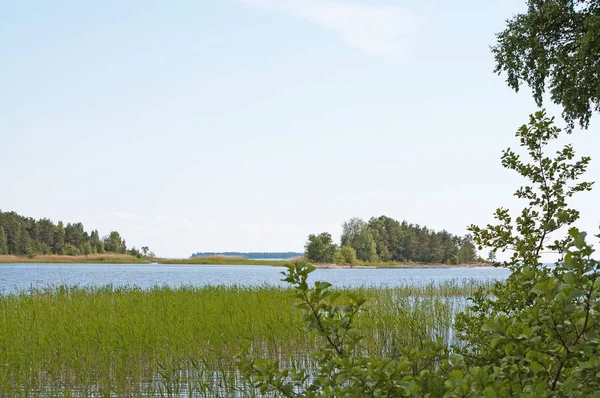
[[70, 250], [348, 255]]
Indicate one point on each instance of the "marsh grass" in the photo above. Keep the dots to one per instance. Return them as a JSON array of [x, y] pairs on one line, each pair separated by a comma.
[[110, 258], [125, 341], [226, 260], [233, 260]]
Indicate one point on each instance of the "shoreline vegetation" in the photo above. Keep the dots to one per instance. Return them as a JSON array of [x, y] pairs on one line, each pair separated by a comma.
[[180, 341], [108, 258], [216, 260]]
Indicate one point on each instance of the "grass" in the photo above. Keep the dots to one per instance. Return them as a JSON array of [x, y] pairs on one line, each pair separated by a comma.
[[110, 258], [231, 260], [227, 260], [164, 341]]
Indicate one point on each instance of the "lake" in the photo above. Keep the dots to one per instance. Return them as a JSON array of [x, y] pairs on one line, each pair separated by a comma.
[[21, 277]]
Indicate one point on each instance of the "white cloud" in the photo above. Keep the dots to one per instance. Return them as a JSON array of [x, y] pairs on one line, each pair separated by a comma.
[[383, 31], [123, 215]]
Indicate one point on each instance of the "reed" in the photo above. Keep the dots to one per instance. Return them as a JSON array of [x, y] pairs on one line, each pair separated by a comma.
[[126, 341], [226, 260]]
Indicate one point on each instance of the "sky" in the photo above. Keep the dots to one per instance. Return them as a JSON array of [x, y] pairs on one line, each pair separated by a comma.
[[246, 125]]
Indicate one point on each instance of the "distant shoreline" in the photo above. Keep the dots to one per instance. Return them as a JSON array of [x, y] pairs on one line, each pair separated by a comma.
[[127, 259]]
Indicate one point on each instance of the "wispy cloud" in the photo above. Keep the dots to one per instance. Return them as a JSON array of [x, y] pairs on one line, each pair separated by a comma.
[[384, 31], [123, 215]]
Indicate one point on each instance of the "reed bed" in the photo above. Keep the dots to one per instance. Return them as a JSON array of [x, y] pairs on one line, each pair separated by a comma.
[[126, 341], [226, 260]]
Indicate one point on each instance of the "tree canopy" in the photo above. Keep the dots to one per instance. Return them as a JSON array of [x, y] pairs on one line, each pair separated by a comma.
[[21, 235], [555, 45], [384, 239]]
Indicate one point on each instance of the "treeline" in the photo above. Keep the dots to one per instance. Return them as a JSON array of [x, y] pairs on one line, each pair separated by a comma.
[[21, 235], [384, 239], [251, 255]]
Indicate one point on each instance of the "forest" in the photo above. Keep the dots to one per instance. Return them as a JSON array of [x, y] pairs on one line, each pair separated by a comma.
[[20, 235], [384, 239]]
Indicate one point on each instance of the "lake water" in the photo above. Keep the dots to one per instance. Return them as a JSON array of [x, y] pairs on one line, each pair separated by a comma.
[[21, 277]]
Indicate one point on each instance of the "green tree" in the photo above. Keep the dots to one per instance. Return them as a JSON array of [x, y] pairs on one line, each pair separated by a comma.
[[70, 250], [96, 242], [320, 248], [59, 238], [348, 255], [24, 241], [114, 243], [555, 44], [467, 253], [3, 242], [76, 235], [366, 249], [86, 248], [350, 231]]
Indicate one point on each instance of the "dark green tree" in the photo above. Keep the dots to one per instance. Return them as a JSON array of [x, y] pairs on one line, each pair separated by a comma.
[[96, 242], [114, 243], [467, 253], [350, 230], [555, 45], [59, 238], [24, 240], [3, 242], [320, 248], [366, 248], [46, 233], [76, 235]]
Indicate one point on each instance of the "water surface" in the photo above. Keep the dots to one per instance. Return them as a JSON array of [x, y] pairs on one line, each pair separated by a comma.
[[20, 277]]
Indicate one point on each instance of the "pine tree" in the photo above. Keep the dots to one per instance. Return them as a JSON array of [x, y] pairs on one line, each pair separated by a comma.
[[3, 242]]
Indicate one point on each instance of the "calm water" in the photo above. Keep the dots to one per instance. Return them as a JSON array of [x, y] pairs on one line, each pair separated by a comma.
[[19, 277]]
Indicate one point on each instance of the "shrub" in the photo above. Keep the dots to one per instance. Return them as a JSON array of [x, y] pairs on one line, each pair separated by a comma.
[[348, 254]]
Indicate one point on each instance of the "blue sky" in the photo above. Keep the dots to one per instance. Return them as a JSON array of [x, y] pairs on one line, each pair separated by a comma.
[[248, 124]]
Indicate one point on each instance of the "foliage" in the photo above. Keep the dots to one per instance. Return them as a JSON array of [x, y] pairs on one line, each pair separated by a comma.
[[31, 237], [467, 252], [320, 248], [348, 255], [555, 44], [114, 243], [537, 333], [342, 368], [384, 239], [70, 250], [548, 347], [3, 242]]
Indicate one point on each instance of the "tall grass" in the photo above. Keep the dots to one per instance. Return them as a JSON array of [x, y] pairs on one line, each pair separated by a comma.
[[226, 260], [127, 341]]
